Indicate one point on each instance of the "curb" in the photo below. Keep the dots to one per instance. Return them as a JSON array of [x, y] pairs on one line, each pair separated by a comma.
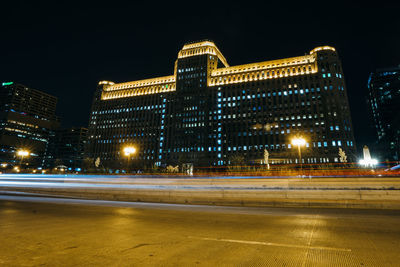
[[349, 198]]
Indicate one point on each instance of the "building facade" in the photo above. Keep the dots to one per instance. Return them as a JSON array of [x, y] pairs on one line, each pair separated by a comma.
[[384, 101], [208, 112], [27, 121], [66, 148]]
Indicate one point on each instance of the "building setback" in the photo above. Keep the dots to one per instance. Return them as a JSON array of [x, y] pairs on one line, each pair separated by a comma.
[[384, 100], [208, 112], [27, 121]]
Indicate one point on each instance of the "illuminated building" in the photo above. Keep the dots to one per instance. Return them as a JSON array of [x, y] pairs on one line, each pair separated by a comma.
[[27, 120], [384, 100], [207, 111]]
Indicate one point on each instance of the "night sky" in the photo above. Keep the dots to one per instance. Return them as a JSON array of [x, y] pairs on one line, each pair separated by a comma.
[[65, 48]]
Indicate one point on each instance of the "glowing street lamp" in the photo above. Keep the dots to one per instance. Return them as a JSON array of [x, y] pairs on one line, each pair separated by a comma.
[[367, 161], [299, 142], [128, 152], [22, 153]]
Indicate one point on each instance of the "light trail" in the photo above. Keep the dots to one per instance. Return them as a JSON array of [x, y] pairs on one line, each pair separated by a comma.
[[172, 183]]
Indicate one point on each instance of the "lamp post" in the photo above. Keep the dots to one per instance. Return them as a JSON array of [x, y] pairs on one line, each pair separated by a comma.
[[299, 142], [128, 152], [22, 153]]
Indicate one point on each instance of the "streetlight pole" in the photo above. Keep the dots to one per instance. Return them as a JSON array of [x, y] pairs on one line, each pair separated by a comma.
[[22, 153], [301, 162], [128, 160], [128, 151], [299, 141]]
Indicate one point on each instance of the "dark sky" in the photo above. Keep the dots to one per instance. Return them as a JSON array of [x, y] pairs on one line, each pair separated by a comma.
[[65, 48]]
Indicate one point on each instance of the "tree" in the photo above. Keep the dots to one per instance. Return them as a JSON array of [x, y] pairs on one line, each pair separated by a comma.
[[266, 157], [236, 162], [171, 168], [87, 163], [342, 155]]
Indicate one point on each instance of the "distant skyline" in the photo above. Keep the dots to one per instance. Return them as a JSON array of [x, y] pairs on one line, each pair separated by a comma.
[[65, 49]]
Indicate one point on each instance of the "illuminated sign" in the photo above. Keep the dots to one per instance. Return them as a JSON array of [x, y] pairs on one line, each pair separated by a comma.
[[7, 83]]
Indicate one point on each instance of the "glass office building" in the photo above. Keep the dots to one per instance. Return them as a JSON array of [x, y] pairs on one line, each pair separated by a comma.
[[384, 100], [27, 121]]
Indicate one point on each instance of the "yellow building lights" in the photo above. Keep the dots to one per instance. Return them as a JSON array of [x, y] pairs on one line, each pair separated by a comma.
[[106, 83], [145, 90], [140, 83], [326, 47], [264, 70], [137, 88], [273, 69], [202, 48]]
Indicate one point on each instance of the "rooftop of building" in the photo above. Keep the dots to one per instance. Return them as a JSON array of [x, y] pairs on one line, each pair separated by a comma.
[[19, 85], [203, 47]]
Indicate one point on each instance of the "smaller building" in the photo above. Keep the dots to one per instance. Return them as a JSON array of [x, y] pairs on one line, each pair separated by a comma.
[[27, 121], [384, 101], [67, 148]]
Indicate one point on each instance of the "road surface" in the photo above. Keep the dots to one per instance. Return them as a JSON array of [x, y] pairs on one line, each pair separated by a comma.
[[39, 231]]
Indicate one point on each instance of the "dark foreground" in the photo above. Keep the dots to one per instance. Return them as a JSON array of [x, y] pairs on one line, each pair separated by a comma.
[[57, 232]]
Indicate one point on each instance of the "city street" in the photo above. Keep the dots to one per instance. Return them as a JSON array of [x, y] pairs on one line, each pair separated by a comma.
[[227, 145], [66, 232]]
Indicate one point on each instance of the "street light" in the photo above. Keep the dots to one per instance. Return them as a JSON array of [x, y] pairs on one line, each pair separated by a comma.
[[128, 152], [22, 153], [367, 161], [299, 141]]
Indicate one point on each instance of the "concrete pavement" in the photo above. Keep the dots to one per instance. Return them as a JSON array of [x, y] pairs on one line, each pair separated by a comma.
[[61, 232]]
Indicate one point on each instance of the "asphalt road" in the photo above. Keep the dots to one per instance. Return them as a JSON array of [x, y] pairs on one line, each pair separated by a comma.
[[60, 232]]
